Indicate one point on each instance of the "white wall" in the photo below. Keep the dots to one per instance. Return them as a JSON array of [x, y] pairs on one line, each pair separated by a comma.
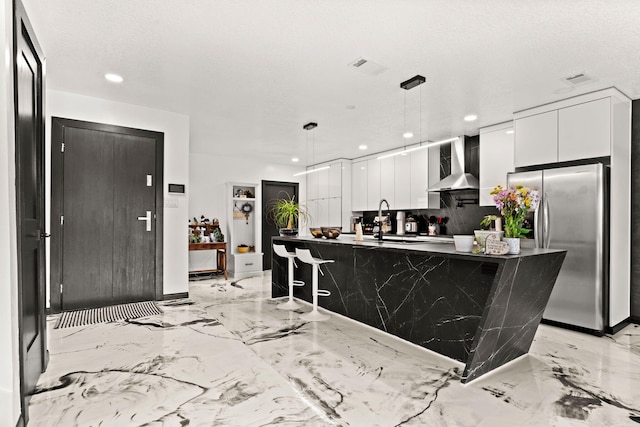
[[9, 362], [208, 175], [176, 165]]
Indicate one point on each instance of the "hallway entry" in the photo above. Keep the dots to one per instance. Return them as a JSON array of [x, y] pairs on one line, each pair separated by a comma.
[[106, 215]]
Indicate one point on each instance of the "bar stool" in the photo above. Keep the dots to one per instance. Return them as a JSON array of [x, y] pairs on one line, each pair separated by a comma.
[[304, 255], [280, 250]]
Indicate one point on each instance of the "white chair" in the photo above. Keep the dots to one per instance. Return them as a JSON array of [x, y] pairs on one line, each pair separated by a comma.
[[280, 250], [304, 255]]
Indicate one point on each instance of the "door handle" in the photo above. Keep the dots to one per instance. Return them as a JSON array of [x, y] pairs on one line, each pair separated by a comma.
[[547, 224], [146, 218]]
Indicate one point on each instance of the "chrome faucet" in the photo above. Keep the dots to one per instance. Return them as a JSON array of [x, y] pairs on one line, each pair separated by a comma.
[[380, 217]]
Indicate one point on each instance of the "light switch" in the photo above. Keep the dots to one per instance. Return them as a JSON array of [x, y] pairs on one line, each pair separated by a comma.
[[170, 202]]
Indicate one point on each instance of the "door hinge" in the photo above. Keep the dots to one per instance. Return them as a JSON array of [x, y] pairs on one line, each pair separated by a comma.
[[62, 147], [61, 286], [61, 219]]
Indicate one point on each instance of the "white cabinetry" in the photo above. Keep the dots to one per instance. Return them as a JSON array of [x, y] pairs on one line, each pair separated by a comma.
[[419, 179], [536, 139], [359, 186], [387, 180], [244, 215], [584, 130], [402, 182], [401, 179], [574, 129], [327, 190], [496, 158], [373, 184]]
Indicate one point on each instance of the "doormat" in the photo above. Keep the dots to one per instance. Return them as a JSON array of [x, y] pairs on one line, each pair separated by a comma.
[[91, 316]]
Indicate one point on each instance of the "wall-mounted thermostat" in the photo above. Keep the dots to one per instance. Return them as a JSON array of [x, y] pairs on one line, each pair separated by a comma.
[[176, 188]]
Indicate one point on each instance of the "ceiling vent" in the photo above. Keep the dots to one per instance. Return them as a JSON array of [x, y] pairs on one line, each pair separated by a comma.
[[578, 79], [367, 67]]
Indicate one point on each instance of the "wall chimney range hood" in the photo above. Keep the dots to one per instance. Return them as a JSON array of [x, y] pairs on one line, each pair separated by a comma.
[[458, 179]]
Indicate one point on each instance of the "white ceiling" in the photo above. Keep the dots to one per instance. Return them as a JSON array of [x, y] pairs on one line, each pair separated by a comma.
[[250, 73]]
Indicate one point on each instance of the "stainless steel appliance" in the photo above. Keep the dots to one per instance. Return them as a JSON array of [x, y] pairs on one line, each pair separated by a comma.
[[411, 226], [572, 215]]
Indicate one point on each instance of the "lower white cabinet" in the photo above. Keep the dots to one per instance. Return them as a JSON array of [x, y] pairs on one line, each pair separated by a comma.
[[496, 158], [244, 265]]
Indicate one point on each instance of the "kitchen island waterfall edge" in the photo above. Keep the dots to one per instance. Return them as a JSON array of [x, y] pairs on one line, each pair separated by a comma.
[[482, 310]]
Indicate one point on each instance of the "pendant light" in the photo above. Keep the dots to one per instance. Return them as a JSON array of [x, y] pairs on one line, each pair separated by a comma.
[[309, 127]]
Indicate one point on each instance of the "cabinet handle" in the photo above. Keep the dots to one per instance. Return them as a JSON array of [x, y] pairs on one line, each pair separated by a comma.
[[248, 263]]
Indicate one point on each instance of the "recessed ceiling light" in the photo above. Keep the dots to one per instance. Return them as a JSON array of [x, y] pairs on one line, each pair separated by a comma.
[[470, 118], [113, 78], [295, 159], [407, 135], [510, 131], [362, 147]]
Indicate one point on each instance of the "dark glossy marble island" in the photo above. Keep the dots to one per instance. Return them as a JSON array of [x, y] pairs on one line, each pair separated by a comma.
[[482, 310]]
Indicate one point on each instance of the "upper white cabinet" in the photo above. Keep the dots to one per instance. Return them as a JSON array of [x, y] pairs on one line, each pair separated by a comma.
[[334, 182], [419, 171], [536, 139], [373, 184], [402, 182], [574, 129], [387, 180], [496, 158], [327, 190], [359, 186], [584, 130]]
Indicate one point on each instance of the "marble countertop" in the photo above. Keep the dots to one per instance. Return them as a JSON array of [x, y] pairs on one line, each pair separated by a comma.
[[446, 247]]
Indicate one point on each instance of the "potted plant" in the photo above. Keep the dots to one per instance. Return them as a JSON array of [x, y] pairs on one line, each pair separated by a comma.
[[286, 213], [514, 204]]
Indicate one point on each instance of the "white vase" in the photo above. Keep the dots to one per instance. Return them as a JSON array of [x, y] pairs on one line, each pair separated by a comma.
[[514, 245]]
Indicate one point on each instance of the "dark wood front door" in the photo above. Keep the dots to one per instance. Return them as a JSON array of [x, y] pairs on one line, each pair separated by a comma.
[[107, 186], [272, 191], [29, 77]]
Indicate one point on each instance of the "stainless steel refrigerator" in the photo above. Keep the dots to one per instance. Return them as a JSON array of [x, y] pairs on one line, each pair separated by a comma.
[[572, 215]]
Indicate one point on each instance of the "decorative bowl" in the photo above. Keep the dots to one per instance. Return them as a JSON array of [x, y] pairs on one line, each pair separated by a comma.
[[243, 249], [288, 232], [316, 232], [331, 232]]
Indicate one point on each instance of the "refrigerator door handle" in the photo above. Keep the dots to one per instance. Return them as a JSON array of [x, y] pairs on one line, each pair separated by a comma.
[[536, 228], [547, 223]]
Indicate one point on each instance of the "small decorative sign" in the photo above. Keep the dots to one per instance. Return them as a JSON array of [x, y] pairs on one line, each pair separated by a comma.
[[493, 246]]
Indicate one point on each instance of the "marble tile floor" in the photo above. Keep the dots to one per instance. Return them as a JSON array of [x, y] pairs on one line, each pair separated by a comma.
[[227, 357]]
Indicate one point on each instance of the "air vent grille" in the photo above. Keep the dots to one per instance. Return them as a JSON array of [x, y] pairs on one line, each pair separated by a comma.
[[578, 79], [367, 66]]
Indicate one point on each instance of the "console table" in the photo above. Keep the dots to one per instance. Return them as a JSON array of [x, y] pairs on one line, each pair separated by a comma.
[[221, 261]]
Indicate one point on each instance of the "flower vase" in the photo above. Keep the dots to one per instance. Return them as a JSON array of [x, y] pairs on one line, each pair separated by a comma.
[[514, 245]]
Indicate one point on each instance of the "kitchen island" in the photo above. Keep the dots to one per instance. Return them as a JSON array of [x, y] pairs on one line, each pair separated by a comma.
[[482, 310]]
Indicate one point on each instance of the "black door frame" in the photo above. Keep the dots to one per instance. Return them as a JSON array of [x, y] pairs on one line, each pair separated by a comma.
[[23, 28], [57, 134]]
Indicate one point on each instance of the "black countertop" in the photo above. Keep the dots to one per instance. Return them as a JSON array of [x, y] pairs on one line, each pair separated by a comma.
[[444, 245]]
